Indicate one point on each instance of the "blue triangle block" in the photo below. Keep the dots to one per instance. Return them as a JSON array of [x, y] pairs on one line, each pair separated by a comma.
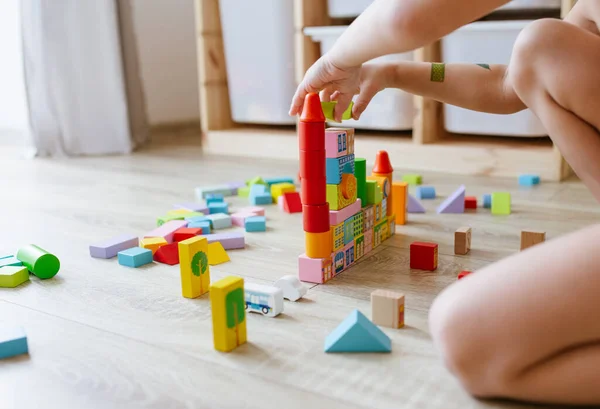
[[414, 206], [357, 334], [455, 203]]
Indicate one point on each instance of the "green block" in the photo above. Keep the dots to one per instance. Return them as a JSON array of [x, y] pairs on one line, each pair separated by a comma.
[[360, 173], [255, 181], [244, 191], [12, 276], [39, 261], [329, 107], [501, 203], [374, 193], [162, 220], [412, 179]]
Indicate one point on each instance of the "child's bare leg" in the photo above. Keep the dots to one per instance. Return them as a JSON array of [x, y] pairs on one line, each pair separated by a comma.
[[527, 327]]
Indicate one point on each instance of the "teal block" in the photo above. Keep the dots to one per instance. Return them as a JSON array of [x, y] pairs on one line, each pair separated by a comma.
[[357, 334], [13, 342], [348, 230], [196, 219], [260, 195], [336, 167], [218, 207], [214, 198], [529, 180], [274, 181], [134, 257], [487, 201], [255, 224], [204, 225], [10, 261]]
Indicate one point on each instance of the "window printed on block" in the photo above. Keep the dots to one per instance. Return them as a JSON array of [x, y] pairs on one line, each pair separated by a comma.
[[339, 260], [359, 246], [377, 212], [358, 224], [350, 138], [338, 243], [384, 206], [368, 218], [349, 256], [349, 230], [341, 142], [326, 271]]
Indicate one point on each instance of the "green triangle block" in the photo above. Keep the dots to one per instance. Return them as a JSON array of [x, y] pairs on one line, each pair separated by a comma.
[[357, 334]]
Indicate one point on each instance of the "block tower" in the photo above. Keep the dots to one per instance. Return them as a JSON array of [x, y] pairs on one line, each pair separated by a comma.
[[346, 214]]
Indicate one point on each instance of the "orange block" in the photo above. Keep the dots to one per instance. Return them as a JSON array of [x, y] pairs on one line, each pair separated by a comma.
[[318, 245], [400, 195]]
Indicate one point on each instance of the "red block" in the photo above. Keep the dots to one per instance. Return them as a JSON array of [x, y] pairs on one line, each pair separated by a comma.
[[168, 254], [185, 233], [423, 256], [316, 218], [464, 273], [311, 136], [292, 202], [312, 164], [313, 191], [470, 202]]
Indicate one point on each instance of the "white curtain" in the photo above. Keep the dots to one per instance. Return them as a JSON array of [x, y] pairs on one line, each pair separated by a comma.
[[82, 78]]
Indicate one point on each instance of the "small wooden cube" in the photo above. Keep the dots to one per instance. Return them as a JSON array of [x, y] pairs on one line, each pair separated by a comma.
[[387, 308], [423, 256], [462, 240], [531, 238]]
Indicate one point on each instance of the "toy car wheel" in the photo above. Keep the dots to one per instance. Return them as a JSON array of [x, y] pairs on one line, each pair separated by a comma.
[[265, 310]]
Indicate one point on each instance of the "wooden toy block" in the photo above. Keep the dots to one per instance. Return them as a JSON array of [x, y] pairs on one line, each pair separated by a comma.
[[358, 224], [214, 198], [193, 218], [357, 334], [313, 191], [291, 202], [387, 308], [470, 202], [412, 179], [152, 243], [259, 194], [254, 224], [182, 212], [339, 142], [338, 261], [259, 211], [343, 194], [316, 218], [455, 203], [380, 232], [257, 180], [368, 235], [336, 167], [318, 245], [391, 225], [135, 257], [186, 233], [329, 108], [463, 274], [314, 270], [230, 241], [350, 254], [399, 206], [530, 238], [529, 180], [263, 299], [338, 236], [228, 308], [383, 168], [168, 254], [423, 256], [487, 201], [368, 218], [312, 164], [10, 261], [201, 192], [244, 191], [203, 225], [193, 265], [383, 184], [167, 230], [462, 240], [349, 230], [311, 127], [291, 287], [414, 206], [425, 192], [194, 207], [277, 180], [359, 246], [374, 193], [38, 261], [220, 220], [163, 219], [380, 211], [239, 218], [13, 342], [218, 207], [12, 276], [501, 203], [360, 173], [217, 254], [109, 248], [279, 189]]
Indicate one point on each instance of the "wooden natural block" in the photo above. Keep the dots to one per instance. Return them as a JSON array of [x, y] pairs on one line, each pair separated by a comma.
[[387, 308], [530, 238], [462, 240]]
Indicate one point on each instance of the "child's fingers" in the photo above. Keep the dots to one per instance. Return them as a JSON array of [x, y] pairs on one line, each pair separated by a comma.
[[343, 101], [362, 101], [327, 94]]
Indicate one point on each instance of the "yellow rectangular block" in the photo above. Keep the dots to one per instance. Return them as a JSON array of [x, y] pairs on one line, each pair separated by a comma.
[[193, 265], [400, 194], [280, 188], [228, 308], [318, 245], [178, 212], [152, 243]]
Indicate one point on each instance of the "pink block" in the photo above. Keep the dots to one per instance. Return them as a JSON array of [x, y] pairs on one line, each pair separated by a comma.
[[368, 239], [167, 230], [237, 219], [338, 216], [259, 211], [280, 204], [339, 142], [314, 270]]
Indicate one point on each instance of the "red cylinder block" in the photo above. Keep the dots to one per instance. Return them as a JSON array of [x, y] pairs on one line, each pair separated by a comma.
[[311, 136], [313, 191], [316, 218], [312, 164]]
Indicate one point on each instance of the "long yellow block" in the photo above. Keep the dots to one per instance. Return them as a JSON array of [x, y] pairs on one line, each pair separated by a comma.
[[193, 265], [318, 245], [152, 243], [227, 303], [280, 188], [400, 194]]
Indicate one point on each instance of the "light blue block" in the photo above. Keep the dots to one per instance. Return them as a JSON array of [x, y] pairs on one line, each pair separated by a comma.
[[134, 257], [357, 334], [196, 219], [274, 181], [218, 207], [335, 167], [13, 342], [255, 224], [202, 192], [262, 199], [220, 220], [9, 261], [425, 192], [529, 180], [204, 225], [214, 198], [487, 201]]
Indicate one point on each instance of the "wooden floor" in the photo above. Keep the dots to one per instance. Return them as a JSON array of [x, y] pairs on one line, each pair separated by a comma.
[[106, 336]]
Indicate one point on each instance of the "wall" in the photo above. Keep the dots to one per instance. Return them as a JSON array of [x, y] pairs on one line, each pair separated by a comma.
[[167, 50]]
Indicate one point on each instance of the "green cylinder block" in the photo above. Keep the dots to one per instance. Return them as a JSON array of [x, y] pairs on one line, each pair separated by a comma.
[[360, 173], [39, 261]]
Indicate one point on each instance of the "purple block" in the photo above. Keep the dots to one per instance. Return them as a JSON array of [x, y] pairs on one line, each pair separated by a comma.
[[194, 207], [455, 203], [109, 248], [414, 206], [233, 240], [234, 186], [167, 230]]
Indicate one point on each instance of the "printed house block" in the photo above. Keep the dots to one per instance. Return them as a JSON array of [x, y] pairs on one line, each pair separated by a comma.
[[380, 233], [423, 256], [358, 224], [350, 254], [228, 309], [314, 270], [338, 236], [339, 216], [343, 194], [336, 167], [349, 230], [387, 308], [339, 142], [368, 218], [391, 225], [368, 235], [359, 246], [339, 261]]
